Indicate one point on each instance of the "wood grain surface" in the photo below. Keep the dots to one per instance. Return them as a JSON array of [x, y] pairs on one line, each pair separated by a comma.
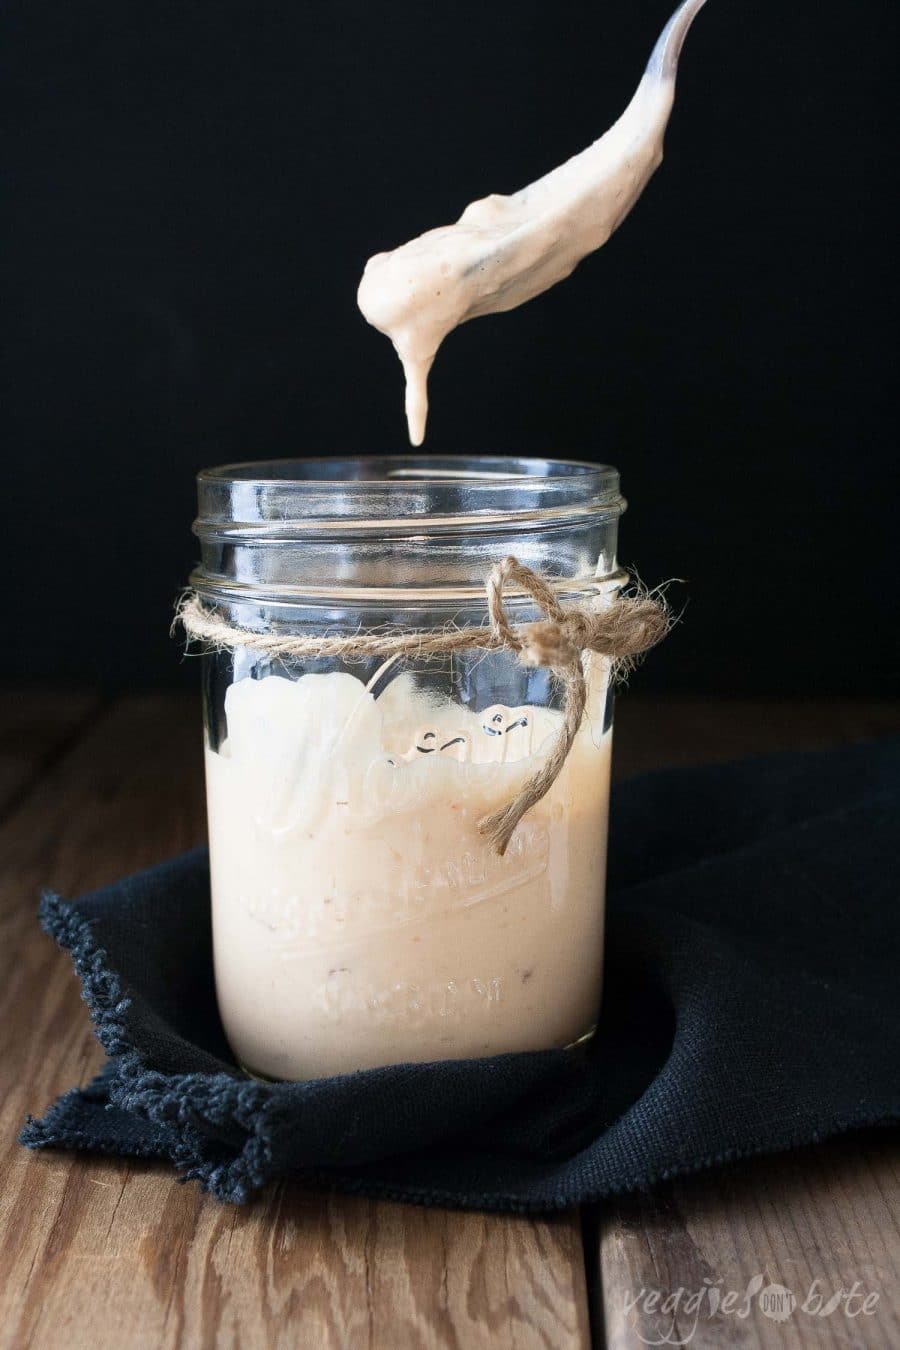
[[103, 1253], [36, 726], [657, 733], [815, 1222]]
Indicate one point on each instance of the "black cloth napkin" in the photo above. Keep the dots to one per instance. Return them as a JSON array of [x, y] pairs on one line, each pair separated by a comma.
[[751, 1005]]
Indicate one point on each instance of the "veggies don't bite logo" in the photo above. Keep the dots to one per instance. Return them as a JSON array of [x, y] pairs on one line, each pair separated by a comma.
[[672, 1318]]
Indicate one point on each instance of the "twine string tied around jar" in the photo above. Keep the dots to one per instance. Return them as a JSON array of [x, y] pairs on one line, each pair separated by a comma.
[[620, 631]]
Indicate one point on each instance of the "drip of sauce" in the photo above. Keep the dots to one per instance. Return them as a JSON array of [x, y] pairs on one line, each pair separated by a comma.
[[505, 250]]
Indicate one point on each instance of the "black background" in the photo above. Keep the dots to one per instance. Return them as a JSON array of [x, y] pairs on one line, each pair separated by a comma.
[[196, 187]]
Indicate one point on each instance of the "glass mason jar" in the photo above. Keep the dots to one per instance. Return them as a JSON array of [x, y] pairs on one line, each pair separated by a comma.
[[359, 917]]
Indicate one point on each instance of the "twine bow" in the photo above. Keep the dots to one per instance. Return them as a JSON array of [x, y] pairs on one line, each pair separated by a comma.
[[621, 631]]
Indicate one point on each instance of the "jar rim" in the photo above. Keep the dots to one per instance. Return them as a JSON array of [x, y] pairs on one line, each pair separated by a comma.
[[388, 470], [389, 494], [393, 529]]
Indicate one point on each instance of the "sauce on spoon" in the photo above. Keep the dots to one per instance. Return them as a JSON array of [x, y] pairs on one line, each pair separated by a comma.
[[505, 250]]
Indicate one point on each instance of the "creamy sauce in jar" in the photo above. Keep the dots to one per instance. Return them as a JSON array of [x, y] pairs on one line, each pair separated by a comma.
[[359, 918]]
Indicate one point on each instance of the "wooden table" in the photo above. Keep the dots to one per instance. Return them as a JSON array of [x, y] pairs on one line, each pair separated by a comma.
[[113, 1253]]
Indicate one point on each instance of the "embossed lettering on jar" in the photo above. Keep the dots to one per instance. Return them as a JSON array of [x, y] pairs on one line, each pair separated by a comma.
[[359, 916]]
